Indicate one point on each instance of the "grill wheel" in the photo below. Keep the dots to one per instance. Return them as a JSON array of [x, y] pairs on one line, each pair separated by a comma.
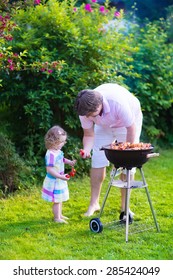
[[96, 225]]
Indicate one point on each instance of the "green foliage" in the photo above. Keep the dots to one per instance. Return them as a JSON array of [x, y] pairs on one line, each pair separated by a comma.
[[170, 23], [12, 167], [151, 9], [153, 62], [62, 49], [90, 54]]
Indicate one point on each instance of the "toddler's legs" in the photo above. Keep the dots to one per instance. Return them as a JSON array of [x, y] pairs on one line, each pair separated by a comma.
[[57, 211], [63, 217]]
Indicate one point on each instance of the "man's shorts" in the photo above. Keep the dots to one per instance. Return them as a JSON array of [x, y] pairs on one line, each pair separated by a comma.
[[105, 136]]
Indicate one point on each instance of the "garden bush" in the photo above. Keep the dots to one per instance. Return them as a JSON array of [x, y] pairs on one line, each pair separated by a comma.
[[89, 53], [154, 85], [13, 171], [63, 48], [170, 23]]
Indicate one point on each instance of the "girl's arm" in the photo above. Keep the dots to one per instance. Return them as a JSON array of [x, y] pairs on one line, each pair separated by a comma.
[[51, 170], [70, 162]]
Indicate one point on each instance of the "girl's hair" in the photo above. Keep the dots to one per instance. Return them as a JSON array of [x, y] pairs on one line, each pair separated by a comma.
[[54, 136], [87, 102]]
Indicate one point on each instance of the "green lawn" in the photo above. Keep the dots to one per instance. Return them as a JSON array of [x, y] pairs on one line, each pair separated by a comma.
[[27, 231]]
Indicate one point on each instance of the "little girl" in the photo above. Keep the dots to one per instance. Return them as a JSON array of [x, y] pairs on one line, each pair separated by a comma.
[[55, 188]]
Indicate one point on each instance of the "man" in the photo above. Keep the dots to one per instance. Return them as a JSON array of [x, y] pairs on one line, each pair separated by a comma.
[[107, 113]]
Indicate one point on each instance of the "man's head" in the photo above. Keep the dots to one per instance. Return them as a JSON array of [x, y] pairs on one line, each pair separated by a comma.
[[87, 102]]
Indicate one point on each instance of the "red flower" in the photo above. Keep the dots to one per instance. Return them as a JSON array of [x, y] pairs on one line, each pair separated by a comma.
[[50, 71], [8, 37], [11, 67], [88, 8], [117, 14], [102, 9], [37, 2], [10, 61]]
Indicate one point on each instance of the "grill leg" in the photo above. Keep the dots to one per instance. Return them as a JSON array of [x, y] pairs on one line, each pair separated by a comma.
[[107, 192], [149, 200], [127, 204]]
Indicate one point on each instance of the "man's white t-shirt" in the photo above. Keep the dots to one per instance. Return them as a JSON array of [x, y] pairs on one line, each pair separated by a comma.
[[120, 108]]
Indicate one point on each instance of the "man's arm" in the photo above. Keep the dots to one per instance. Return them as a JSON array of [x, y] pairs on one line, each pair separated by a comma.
[[131, 132], [88, 140]]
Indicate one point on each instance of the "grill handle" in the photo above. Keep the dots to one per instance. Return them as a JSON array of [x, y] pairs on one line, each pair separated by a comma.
[[153, 155]]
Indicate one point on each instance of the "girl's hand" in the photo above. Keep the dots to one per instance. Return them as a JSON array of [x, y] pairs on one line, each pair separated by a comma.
[[84, 154], [73, 162], [71, 174], [65, 177]]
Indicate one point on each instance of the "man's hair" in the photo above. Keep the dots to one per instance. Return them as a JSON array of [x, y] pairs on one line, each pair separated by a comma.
[[87, 101]]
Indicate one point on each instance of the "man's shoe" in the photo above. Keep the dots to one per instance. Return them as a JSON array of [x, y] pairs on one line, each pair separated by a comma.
[[123, 218]]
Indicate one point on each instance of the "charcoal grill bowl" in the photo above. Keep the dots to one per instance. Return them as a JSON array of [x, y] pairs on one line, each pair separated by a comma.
[[127, 158]]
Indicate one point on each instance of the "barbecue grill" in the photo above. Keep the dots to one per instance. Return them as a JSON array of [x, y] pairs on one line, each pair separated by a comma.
[[126, 159]]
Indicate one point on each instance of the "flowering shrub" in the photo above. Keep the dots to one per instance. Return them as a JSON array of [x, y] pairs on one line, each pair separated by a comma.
[[58, 49], [10, 61]]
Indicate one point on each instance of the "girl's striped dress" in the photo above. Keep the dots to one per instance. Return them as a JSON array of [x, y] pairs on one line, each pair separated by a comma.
[[55, 189]]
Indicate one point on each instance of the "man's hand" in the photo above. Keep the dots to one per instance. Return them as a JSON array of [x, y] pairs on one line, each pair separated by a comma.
[[84, 154]]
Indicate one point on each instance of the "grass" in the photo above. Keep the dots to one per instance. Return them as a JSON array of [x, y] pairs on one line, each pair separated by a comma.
[[27, 231]]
